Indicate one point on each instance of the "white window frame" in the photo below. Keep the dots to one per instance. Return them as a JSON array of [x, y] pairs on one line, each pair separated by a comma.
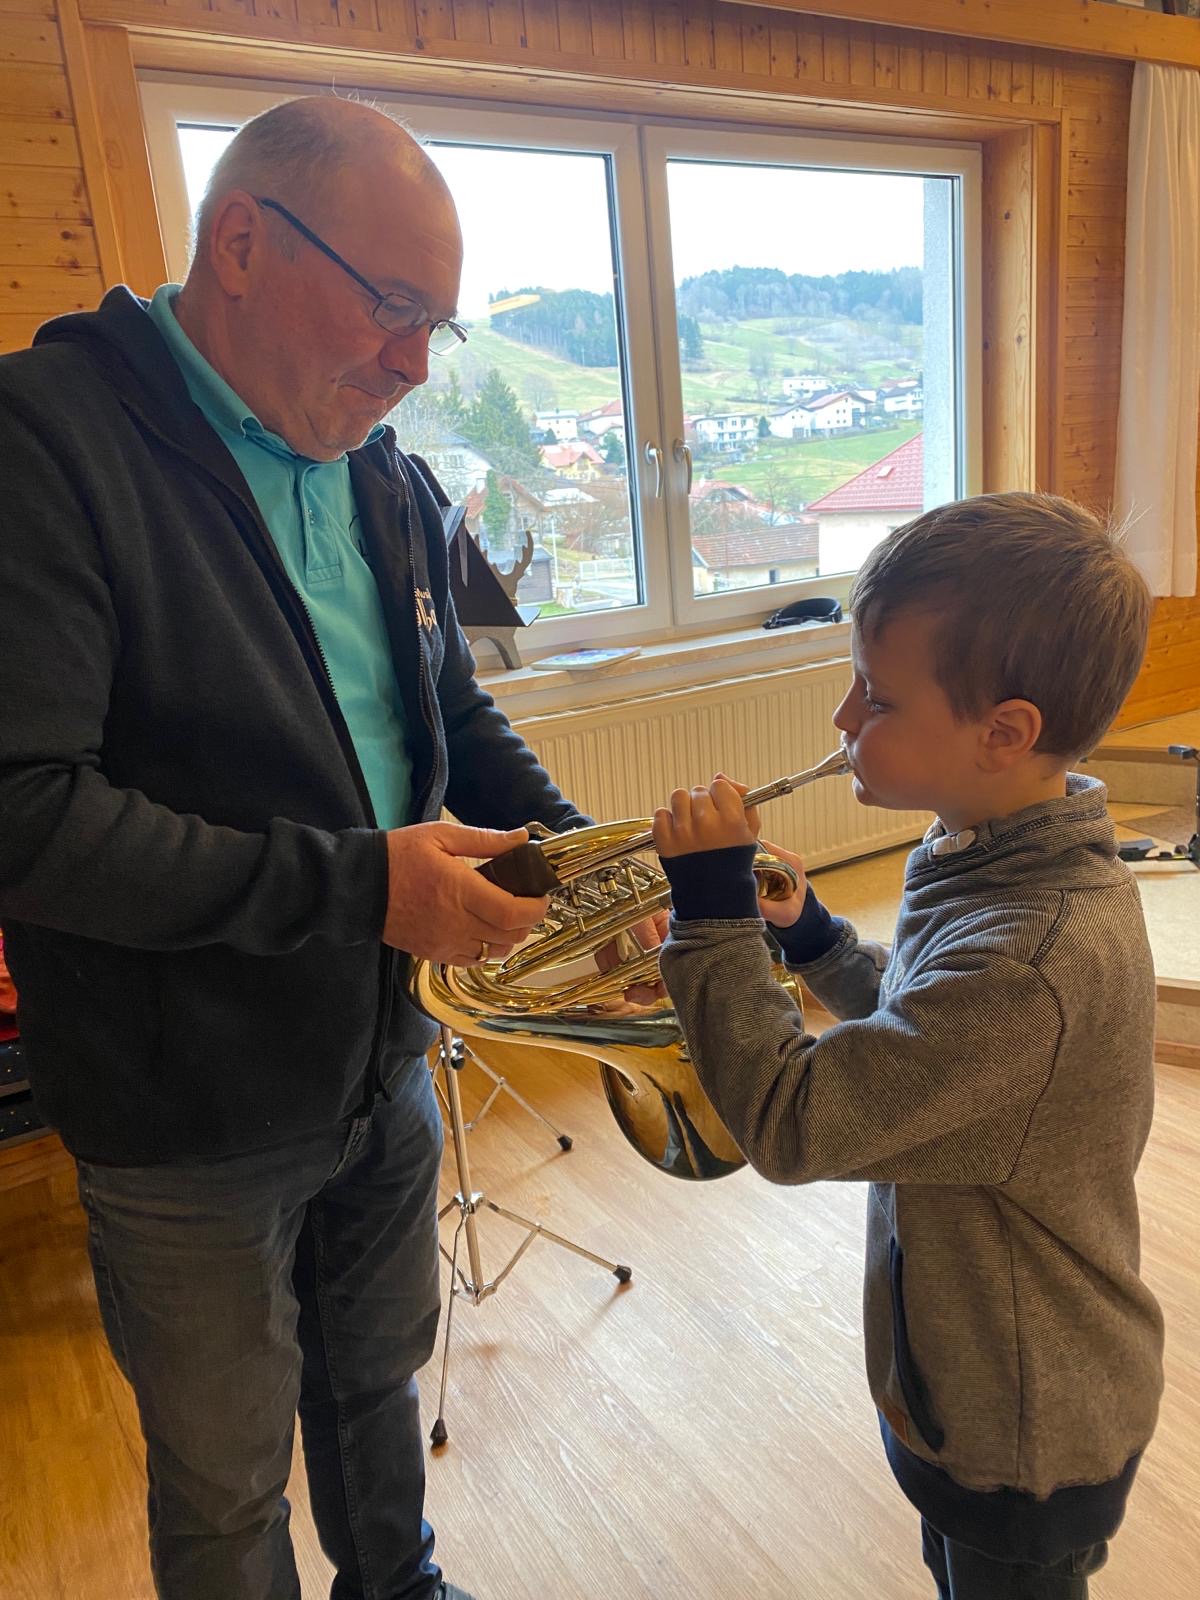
[[638, 149], [168, 101], [662, 143]]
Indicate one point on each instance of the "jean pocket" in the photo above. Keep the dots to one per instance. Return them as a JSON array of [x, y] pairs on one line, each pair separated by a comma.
[[912, 1385]]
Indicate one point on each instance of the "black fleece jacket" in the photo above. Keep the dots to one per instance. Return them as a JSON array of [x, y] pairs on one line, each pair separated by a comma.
[[192, 884]]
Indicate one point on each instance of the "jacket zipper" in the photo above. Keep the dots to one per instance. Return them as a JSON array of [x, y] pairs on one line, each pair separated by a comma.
[[388, 957]]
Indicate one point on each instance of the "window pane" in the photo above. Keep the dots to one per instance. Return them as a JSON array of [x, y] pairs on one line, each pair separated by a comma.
[[534, 403], [526, 422], [817, 352]]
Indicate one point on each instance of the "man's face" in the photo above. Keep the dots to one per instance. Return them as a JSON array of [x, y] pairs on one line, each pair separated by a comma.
[[907, 749], [330, 371]]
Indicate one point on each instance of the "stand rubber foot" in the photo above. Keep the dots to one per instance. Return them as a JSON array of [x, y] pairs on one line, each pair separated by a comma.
[[622, 1274], [438, 1434], [565, 1141]]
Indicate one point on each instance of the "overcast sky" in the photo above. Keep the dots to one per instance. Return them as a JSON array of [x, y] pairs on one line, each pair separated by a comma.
[[533, 217]]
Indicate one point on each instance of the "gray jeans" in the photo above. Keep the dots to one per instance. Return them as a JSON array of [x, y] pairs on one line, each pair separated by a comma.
[[235, 1293]]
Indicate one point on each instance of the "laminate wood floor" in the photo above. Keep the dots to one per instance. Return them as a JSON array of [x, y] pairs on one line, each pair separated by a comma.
[[704, 1432]]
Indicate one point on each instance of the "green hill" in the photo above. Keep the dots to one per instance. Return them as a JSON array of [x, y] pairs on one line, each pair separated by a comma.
[[791, 474], [742, 368]]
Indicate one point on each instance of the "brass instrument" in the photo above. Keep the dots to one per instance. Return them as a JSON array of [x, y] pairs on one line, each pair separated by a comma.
[[549, 991]]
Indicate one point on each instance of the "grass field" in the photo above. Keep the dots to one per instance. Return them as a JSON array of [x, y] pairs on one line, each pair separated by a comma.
[[794, 474], [723, 381]]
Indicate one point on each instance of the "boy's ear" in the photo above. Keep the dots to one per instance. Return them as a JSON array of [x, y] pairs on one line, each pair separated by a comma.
[[1010, 734]]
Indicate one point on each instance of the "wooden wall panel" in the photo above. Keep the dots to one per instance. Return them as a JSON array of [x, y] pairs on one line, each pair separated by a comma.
[[692, 45], [48, 255]]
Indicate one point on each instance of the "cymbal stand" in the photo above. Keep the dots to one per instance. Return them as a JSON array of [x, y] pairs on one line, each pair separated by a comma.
[[468, 1202]]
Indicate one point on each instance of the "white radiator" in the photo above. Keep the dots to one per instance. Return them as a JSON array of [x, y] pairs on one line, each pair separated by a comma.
[[622, 760]]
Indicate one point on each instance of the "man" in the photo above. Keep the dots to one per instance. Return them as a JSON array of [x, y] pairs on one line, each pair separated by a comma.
[[234, 698]]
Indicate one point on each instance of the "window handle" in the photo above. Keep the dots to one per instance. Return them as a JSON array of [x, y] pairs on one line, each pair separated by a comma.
[[683, 456], [654, 457]]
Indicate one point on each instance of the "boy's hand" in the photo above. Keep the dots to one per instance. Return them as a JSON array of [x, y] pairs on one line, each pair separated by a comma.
[[782, 913], [705, 819]]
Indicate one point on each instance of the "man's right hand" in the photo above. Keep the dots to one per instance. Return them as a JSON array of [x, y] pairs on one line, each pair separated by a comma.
[[439, 908]]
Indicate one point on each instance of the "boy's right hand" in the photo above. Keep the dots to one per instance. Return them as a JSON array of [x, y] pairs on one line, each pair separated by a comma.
[[779, 913]]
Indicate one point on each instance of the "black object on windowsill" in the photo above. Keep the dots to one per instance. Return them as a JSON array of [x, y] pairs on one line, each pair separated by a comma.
[[819, 609]]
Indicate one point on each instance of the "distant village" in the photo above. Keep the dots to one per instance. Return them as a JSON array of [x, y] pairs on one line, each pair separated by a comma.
[[576, 505]]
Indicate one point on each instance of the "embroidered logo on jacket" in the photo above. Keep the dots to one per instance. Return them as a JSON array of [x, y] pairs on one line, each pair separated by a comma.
[[426, 615]]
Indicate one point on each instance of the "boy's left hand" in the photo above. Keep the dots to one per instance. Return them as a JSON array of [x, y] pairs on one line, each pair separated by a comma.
[[705, 819]]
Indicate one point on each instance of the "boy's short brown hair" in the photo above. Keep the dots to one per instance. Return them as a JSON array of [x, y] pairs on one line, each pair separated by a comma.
[[1034, 600]]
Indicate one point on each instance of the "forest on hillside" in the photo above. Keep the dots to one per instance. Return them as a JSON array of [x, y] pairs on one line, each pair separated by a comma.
[[579, 325]]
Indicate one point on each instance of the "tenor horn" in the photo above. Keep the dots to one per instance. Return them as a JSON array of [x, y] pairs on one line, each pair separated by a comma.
[[550, 992]]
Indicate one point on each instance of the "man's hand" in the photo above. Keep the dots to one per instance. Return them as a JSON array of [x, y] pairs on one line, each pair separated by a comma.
[[705, 819], [649, 933], [439, 908]]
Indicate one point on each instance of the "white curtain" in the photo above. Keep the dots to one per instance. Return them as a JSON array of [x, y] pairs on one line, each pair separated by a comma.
[[1160, 350]]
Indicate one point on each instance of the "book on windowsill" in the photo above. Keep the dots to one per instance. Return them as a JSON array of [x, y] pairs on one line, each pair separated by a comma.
[[584, 660]]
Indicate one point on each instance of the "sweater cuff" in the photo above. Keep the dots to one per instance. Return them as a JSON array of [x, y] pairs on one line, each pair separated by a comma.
[[713, 884], [813, 934]]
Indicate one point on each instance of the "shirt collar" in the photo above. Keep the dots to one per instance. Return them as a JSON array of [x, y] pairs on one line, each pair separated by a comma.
[[221, 404]]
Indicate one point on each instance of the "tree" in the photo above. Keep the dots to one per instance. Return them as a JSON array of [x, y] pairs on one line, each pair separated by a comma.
[[495, 512], [764, 428], [539, 391], [762, 366], [612, 447], [690, 339], [497, 425], [450, 399]]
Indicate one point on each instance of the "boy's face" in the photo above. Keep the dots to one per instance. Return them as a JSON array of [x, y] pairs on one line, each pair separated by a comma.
[[907, 749]]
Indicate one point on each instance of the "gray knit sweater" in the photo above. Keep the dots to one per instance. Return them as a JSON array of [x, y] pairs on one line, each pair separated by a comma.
[[992, 1077]]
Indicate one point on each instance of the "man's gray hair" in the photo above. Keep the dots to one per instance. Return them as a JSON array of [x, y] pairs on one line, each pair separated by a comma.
[[294, 152]]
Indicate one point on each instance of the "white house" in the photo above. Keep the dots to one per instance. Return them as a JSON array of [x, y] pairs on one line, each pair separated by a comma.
[[805, 385], [791, 421], [564, 425], [905, 403], [837, 412], [854, 517], [604, 419], [456, 463], [727, 430], [902, 397]]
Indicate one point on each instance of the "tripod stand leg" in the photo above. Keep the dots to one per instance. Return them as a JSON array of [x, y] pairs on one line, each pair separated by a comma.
[[438, 1434], [502, 1084], [536, 1230]]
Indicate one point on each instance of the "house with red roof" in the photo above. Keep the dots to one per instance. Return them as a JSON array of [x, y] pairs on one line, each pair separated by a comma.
[[603, 420], [746, 555], [855, 516], [577, 461]]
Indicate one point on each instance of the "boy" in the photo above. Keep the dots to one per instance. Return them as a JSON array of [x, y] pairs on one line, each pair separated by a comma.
[[992, 1075]]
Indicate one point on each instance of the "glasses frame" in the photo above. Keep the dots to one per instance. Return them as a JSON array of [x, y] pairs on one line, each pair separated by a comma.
[[381, 300]]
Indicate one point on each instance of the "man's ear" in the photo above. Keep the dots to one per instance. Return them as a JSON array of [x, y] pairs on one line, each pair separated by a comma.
[[1009, 734], [237, 236]]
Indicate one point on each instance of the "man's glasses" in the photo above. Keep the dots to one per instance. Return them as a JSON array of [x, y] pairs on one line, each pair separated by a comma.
[[394, 312]]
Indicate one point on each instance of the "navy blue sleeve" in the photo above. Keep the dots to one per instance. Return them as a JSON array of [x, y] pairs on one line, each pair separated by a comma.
[[813, 933], [713, 884]]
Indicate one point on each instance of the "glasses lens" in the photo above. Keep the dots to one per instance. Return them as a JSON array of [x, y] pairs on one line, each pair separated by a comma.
[[399, 315], [443, 339]]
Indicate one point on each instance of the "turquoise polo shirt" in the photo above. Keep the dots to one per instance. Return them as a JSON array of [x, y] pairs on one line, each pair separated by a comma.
[[310, 513]]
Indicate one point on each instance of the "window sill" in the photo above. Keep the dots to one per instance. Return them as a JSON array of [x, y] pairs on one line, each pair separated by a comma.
[[672, 664]]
